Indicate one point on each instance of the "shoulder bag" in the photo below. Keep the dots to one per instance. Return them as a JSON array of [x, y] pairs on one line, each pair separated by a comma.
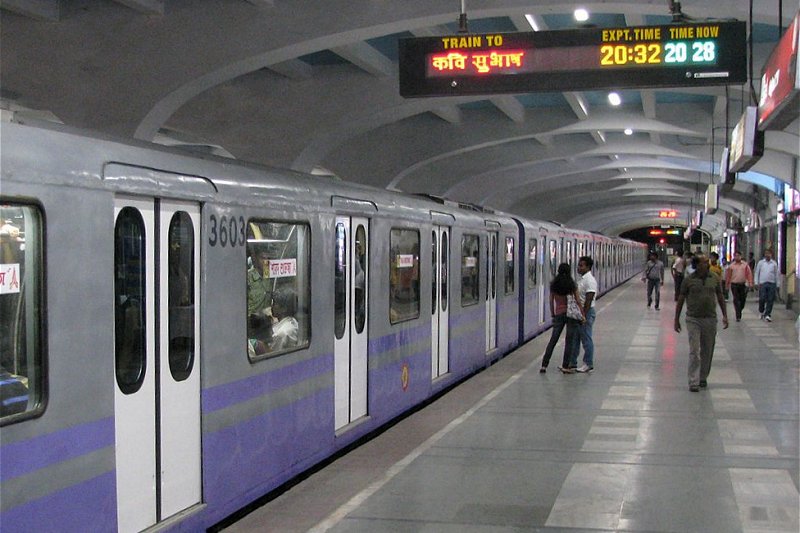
[[573, 309]]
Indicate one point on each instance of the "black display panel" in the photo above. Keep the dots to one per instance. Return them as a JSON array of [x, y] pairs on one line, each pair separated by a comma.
[[709, 53]]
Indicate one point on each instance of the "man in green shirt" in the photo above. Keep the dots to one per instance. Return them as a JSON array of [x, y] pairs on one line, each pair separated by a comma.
[[700, 290], [259, 288]]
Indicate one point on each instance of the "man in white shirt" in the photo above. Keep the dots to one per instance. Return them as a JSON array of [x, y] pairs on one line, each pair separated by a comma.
[[587, 289], [766, 277], [678, 266]]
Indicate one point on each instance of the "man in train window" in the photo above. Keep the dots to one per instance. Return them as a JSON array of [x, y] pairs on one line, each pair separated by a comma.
[[259, 297]]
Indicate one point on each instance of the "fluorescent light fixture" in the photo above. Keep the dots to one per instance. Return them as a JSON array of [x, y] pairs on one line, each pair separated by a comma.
[[614, 99], [628, 131], [532, 22], [581, 15]]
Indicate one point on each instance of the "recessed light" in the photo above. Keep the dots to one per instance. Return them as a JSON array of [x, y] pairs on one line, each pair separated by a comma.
[[532, 22], [628, 131], [614, 99], [581, 15]]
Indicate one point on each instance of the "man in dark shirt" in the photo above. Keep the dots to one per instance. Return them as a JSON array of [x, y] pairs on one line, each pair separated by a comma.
[[700, 290]]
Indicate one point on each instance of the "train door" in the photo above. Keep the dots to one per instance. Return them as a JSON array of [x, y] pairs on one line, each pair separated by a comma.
[[491, 292], [157, 359], [440, 300], [540, 277], [351, 287]]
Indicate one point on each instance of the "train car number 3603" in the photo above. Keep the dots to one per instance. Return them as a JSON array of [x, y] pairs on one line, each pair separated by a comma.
[[226, 231]]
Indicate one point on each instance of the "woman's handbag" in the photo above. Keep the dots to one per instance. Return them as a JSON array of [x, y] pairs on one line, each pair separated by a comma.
[[573, 309]]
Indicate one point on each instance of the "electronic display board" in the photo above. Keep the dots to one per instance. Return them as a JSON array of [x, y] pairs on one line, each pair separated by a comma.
[[708, 53]]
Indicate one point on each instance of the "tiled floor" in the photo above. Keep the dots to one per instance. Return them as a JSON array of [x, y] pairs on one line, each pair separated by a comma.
[[626, 448]]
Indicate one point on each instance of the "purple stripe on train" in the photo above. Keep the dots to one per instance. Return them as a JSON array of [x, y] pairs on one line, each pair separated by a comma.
[[471, 315], [27, 456], [242, 462], [400, 338], [222, 396], [228, 394], [94, 499], [392, 391]]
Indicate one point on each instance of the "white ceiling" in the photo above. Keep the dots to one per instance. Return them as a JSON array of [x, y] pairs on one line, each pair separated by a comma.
[[312, 84]]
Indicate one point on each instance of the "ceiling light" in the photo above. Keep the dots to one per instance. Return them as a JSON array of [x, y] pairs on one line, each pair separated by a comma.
[[614, 99], [581, 15], [532, 22], [628, 131]]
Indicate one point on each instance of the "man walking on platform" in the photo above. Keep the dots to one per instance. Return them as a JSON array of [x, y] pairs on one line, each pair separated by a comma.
[[738, 277], [654, 277], [700, 290], [587, 289], [766, 278], [678, 268]]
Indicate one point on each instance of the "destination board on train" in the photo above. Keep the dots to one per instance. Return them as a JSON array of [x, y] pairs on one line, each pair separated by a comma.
[[678, 55]]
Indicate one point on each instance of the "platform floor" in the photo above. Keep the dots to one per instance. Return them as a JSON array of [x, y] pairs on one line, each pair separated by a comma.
[[625, 448]]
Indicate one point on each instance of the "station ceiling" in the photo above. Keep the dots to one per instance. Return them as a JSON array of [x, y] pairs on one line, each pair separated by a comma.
[[312, 85]]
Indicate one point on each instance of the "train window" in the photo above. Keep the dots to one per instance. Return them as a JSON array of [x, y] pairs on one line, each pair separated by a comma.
[[493, 268], [553, 258], [568, 254], [434, 263], [360, 278], [532, 245], [130, 342], [403, 275], [181, 296], [470, 269], [509, 257], [339, 284], [445, 268], [21, 310], [278, 288]]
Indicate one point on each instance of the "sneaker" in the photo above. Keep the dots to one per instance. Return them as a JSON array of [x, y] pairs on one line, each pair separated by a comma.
[[543, 370], [566, 370], [761, 317], [768, 318], [703, 383], [584, 369], [694, 388]]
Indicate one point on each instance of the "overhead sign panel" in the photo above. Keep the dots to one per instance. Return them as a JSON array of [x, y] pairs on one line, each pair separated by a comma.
[[779, 103], [711, 53]]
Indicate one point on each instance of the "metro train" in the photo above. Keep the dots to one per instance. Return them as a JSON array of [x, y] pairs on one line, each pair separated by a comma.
[[182, 334]]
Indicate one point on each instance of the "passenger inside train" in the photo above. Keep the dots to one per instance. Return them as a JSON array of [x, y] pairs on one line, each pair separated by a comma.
[[285, 326]]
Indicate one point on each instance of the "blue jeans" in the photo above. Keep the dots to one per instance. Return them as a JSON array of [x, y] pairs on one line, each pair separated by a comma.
[[766, 297], [559, 322], [585, 338]]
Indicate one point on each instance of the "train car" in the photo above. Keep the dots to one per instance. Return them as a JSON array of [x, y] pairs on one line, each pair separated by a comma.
[[183, 334]]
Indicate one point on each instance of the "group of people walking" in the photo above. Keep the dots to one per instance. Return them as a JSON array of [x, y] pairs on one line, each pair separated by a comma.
[[737, 279], [701, 284], [572, 306]]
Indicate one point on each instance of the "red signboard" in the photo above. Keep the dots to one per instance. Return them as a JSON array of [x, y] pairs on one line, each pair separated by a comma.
[[780, 83], [667, 214]]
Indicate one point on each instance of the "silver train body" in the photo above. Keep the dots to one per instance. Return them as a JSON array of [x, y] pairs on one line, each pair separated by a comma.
[[150, 381]]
